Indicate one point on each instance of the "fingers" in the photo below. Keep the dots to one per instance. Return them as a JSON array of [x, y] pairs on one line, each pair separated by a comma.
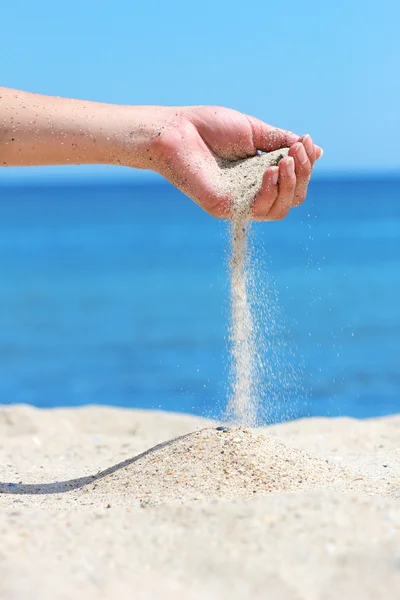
[[267, 194], [318, 152], [310, 149], [303, 171], [268, 138], [314, 152], [286, 186], [274, 201], [305, 154]]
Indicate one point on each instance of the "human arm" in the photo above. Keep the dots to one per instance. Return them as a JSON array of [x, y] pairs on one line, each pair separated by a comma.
[[181, 143]]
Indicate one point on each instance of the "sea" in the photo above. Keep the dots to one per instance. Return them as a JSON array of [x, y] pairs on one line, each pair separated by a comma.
[[117, 293]]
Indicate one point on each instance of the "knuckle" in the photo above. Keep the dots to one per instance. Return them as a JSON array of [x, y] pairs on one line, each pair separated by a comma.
[[279, 210], [286, 199], [289, 183], [281, 215], [264, 201], [301, 192], [306, 170], [300, 196]]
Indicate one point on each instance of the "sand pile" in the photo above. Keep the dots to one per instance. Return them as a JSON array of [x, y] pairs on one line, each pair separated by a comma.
[[215, 463], [318, 527]]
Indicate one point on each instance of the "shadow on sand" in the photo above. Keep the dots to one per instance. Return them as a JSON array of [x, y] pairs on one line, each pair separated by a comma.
[[59, 487]]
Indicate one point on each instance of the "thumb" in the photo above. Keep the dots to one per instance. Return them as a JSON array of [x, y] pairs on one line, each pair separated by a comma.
[[267, 138]]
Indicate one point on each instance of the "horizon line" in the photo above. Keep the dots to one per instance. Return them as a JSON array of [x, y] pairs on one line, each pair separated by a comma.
[[93, 175]]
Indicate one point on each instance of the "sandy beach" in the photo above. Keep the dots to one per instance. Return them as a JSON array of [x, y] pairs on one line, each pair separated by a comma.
[[101, 502]]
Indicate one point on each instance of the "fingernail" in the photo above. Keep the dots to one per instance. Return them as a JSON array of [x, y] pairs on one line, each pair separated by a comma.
[[319, 149], [275, 174], [308, 144], [301, 153], [289, 166]]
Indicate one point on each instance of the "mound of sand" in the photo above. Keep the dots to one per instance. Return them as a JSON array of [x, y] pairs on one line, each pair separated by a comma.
[[290, 512], [213, 463], [219, 463]]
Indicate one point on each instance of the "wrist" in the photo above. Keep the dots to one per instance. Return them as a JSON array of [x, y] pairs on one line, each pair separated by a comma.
[[133, 140]]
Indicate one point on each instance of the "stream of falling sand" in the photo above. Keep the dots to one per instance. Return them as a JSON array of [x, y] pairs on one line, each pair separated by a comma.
[[244, 179], [243, 402]]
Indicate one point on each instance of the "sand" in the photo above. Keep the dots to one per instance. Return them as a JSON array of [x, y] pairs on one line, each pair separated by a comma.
[[243, 179], [304, 510]]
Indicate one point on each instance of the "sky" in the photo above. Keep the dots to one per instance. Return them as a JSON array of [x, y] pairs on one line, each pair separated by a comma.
[[330, 69]]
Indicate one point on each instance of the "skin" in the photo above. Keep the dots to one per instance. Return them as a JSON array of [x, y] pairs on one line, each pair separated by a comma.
[[181, 143]]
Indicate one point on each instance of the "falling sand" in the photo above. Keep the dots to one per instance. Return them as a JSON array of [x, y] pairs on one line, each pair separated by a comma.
[[244, 179]]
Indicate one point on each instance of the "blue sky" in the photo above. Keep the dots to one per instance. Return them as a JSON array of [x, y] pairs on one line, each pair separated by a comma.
[[327, 68]]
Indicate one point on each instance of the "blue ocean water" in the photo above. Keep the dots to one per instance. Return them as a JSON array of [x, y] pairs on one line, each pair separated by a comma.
[[118, 294]]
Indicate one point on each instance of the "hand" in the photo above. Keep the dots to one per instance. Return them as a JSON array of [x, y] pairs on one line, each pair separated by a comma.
[[185, 145]]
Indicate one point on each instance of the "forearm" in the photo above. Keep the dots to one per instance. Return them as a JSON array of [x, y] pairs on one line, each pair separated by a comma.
[[45, 130]]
